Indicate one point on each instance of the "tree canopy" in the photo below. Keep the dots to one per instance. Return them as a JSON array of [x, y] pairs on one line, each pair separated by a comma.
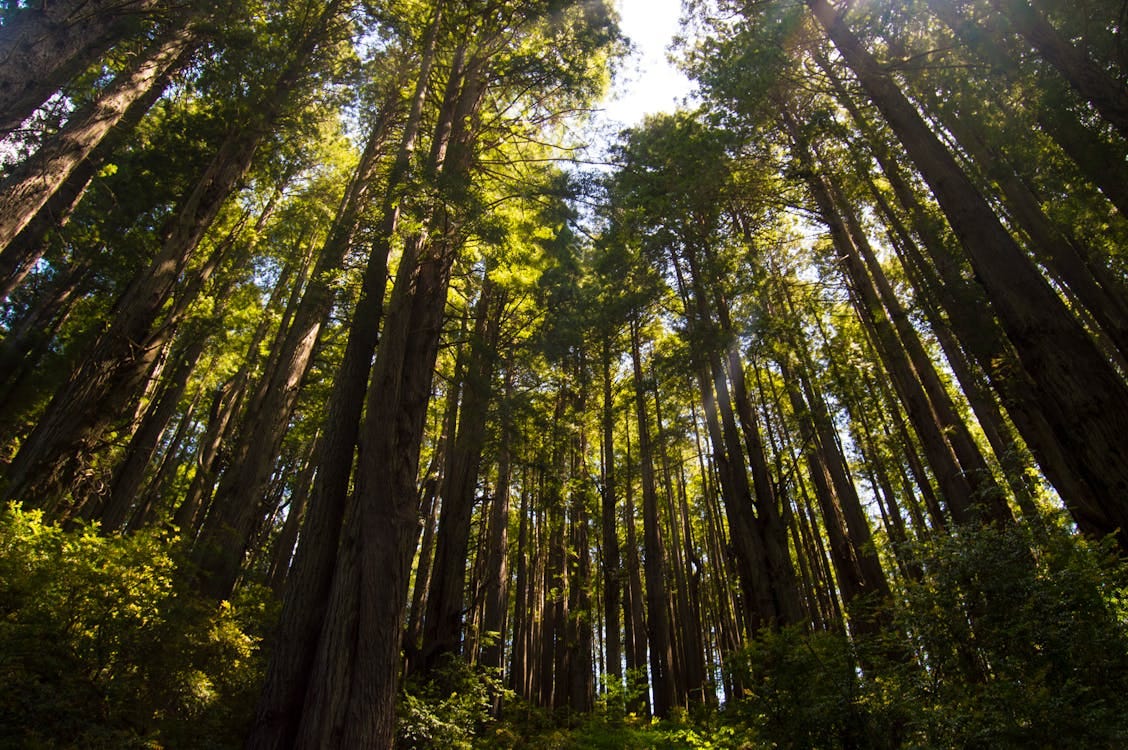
[[344, 405]]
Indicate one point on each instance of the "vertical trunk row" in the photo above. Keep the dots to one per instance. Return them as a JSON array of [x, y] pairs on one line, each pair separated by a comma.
[[1077, 391], [114, 367], [442, 626]]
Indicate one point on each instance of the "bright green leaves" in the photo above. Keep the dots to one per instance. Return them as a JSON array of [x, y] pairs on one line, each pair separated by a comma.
[[100, 646]]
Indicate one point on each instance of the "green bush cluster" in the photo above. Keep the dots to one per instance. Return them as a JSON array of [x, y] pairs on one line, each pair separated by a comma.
[[1006, 641], [448, 708], [103, 646]]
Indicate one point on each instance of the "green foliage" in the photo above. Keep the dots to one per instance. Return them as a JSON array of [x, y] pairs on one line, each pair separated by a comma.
[[100, 646], [1019, 641], [800, 690], [533, 729], [1012, 644], [447, 707]]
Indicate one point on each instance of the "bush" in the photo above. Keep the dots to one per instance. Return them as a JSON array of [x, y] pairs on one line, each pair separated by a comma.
[[1019, 640], [1007, 641], [800, 690], [447, 707], [101, 646]]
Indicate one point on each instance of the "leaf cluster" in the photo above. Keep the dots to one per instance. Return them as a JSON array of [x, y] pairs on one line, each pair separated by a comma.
[[102, 646]]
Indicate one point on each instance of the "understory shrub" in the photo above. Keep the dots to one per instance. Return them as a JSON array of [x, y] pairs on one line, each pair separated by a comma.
[[103, 646]]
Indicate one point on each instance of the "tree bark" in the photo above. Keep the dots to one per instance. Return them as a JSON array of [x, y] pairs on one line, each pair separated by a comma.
[[443, 621], [1082, 397], [43, 48], [31, 185], [237, 503], [658, 620], [612, 575]]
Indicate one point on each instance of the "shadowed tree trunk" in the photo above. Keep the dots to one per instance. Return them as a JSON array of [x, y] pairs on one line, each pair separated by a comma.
[[31, 185], [1082, 398], [41, 48]]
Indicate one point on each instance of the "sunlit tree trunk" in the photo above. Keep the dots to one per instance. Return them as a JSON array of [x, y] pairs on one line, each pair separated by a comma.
[[237, 503], [352, 700]]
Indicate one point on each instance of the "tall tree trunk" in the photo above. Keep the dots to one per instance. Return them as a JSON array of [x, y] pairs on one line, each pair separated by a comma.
[[860, 575], [497, 562], [635, 624], [130, 474], [1099, 162], [662, 679], [283, 553], [28, 187], [956, 482], [1103, 294], [522, 611], [612, 575], [1082, 397], [442, 625], [308, 595], [580, 669], [759, 606], [41, 48]]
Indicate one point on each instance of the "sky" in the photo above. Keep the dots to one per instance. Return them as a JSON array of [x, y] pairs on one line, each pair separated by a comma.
[[648, 83]]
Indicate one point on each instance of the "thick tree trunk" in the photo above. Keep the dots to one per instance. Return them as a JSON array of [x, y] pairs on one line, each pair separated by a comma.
[[41, 48], [1081, 396], [25, 249], [1103, 294], [351, 702], [31, 185]]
